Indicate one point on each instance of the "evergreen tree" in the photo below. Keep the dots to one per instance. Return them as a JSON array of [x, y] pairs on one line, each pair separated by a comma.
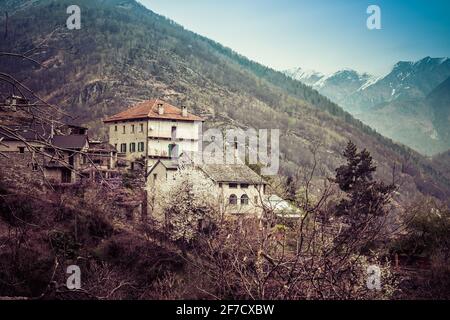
[[365, 197]]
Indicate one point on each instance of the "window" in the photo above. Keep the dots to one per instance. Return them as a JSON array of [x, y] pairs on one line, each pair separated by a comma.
[[66, 175], [244, 200], [173, 151], [140, 147], [132, 128], [220, 185], [115, 128], [132, 147], [123, 147], [155, 176], [141, 127], [124, 130], [71, 159], [233, 185], [244, 186], [233, 200], [35, 167], [115, 146], [174, 133], [21, 149]]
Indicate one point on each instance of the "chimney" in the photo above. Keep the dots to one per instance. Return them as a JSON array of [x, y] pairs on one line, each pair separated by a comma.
[[160, 109], [184, 112]]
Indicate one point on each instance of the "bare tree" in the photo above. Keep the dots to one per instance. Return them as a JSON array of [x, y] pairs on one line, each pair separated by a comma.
[[309, 258]]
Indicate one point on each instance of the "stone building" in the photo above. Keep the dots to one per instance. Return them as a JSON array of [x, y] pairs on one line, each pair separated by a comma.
[[240, 190]]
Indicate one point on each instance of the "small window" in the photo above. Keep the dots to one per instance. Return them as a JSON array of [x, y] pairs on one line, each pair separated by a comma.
[[35, 167], [155, 176], [124, 129], [140, 147], [115, 128], [141, 127], [244, 200], [115, 146], [132, 128], [244, 186], [173, 151], [132, 147], [220, 185], [173, 133], [233, 200], [233, 185], [123, 147], [21, 149]]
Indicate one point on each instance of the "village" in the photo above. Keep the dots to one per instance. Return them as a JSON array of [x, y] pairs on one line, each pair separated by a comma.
[[153, 139]]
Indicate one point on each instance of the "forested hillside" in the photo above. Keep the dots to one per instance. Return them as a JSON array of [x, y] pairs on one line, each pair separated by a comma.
[[125, 53]]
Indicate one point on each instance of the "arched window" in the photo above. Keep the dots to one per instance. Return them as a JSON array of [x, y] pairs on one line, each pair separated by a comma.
[[233, 199], [244, 200]]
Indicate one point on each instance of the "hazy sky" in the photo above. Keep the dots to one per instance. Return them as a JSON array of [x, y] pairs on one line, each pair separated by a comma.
[[325, 35]]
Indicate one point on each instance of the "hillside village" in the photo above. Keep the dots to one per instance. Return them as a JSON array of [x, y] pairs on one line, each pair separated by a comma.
[[152, 138]]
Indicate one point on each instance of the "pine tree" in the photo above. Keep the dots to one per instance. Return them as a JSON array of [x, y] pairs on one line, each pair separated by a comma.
[[365, 197]]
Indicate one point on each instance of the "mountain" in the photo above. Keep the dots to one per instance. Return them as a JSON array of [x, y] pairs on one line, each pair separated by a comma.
[[404, 105], [407, 80], [338, 86], [309, 77], [125, 53], [416, 111], [439, 102]]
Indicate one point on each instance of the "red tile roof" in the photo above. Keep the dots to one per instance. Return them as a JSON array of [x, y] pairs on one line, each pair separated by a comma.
[[149, 110]]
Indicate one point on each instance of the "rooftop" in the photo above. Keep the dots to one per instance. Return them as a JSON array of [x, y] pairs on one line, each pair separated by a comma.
[[232, 173], [31, 132], [149, 110], [73, 141]]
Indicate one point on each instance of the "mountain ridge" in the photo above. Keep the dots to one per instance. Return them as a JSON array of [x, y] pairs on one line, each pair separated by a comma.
[[396, 104]]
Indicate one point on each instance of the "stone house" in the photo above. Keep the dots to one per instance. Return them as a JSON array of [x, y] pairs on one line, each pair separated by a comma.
[[240, 190]]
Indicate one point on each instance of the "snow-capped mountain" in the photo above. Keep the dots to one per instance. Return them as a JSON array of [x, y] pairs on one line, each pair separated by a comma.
[[357, 92], [407, 80], [341, 84], [395, 104], [309, 77], [337, 86]]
